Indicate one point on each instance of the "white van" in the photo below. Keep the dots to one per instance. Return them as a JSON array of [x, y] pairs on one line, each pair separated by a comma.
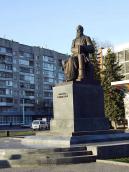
[[39, 124]]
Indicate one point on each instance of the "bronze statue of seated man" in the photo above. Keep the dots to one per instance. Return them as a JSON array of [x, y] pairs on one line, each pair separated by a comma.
[[76, 67]]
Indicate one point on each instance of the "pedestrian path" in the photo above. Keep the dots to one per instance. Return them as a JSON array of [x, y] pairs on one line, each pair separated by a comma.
[[91, 167]]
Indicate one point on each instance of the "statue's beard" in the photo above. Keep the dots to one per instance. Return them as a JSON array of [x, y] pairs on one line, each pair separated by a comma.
[[79, 34]]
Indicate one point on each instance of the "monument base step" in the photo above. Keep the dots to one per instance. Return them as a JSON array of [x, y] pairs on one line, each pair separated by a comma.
[[56, 140], [98, 132], [99, 138], [21, 158], [71, 160]]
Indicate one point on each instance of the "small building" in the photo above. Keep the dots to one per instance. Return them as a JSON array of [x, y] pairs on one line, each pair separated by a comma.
[[124, 86]]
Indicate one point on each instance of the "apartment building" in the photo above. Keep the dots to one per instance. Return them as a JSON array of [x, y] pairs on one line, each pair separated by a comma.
[[27, 75]]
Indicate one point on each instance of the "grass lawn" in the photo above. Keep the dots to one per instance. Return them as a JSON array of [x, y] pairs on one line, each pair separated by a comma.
[[16, 133], [3, 133], [125, 159], [22, 133]]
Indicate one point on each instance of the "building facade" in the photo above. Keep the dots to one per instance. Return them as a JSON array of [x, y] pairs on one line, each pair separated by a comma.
[[27, 75], [122, 56]]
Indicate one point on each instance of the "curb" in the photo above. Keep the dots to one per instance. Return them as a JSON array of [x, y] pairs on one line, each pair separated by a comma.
[[113, 162]]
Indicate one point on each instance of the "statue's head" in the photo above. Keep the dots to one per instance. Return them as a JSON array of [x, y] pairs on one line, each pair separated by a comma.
[[79, 30]]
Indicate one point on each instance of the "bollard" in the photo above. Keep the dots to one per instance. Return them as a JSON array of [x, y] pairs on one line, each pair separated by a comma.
[[7, 133]]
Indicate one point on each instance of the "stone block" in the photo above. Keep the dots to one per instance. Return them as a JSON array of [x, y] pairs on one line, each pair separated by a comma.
[[78, 107]]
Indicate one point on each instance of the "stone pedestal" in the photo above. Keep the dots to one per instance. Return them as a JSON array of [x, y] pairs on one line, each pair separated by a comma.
[[78, 107]]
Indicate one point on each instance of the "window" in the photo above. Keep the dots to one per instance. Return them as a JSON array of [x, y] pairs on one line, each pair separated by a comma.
[[6, 66], [127, 67], [15, 85], [8, 91], [48, 59], [9, 67], [2, 50], [24, 62], [27, 85], [48, 66], [29, 101], [6, 75], [31, 70], [32, 86], [31, 63], [61, 76], [2, 83], [47, 87], [9, 50], [14, 61], [29, 78], [22, 77], [127, 55], [29, 93], [21, 53], [8, 100], [24, 70], [50, 80], [9, 59], [29, 109], [48, 73], [14, 53], [47, 94], [121, 56], [2, 91], [9, 83], [28, 55], [24, 54], [2, 66], [14, 69]]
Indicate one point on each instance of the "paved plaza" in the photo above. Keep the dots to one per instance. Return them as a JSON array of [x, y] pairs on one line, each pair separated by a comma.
[[6, 143], [89, 167]]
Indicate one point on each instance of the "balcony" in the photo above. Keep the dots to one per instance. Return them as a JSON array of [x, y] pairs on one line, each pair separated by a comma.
[[14, 113], [9, 113], [28, 113], [6, 96], [28, 97], [27, 104], [6, 104], [3, 86], [5, 70], [5, 53]]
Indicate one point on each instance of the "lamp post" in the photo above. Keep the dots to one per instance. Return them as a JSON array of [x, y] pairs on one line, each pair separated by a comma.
[[23, 105], [23, 110]]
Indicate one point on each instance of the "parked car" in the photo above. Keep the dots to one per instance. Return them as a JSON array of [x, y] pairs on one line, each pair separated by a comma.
[[39, 125], [25, 125]]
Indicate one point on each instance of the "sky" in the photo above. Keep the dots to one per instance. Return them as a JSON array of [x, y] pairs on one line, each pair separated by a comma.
[[52, 23]]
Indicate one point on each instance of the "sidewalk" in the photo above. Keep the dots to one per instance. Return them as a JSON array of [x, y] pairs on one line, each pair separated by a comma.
[[89, 167]]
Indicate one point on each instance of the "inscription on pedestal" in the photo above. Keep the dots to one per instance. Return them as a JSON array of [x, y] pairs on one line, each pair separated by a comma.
[[62, 95]]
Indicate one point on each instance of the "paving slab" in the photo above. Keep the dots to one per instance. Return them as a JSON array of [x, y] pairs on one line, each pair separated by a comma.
[[91, 167]]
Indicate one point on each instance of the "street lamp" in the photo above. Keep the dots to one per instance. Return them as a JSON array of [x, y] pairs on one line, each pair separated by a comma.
[[23, 105], [23, 110]]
